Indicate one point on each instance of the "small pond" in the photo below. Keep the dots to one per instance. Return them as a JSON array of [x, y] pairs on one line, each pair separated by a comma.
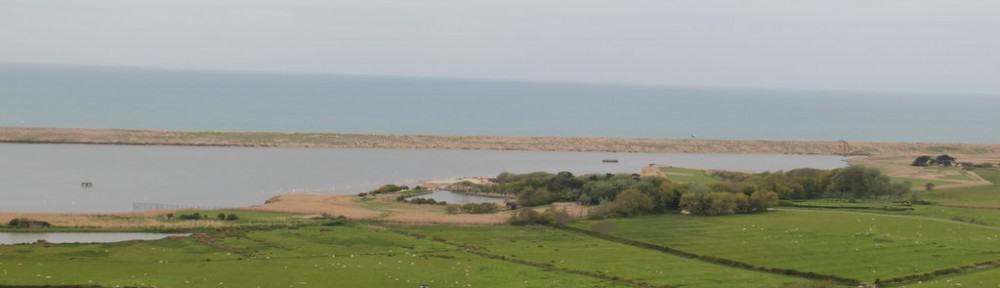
[[9, 238], [459, 198]]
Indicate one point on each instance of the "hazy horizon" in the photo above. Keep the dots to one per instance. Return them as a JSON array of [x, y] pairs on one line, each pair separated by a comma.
[[889, 46]]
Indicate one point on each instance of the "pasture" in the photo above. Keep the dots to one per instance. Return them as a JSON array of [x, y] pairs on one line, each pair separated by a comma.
[[570, 250], [689, 176], [861, 246], [317, 256], [948, 245], [982, 196]]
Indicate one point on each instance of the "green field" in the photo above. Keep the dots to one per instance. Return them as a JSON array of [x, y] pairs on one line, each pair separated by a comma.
[[862, 246], [989, 278], [570, 250], [690, 176], [946, 245], [983, 196], [342, 256]]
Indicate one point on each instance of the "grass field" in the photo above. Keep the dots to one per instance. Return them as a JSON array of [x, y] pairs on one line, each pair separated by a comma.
[[984, 196], [989, 278], [919, 184], [852, 240], [342, 256], [691, 176], [862, 246], [576, 251]]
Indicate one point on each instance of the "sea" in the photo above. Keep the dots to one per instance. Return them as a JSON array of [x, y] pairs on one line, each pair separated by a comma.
[[100, 97]]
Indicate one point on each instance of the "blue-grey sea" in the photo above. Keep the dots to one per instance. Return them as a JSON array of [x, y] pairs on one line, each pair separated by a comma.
[[95, 97]]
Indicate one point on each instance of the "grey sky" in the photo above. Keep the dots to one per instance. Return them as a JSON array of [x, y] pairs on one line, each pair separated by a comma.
[[890, 45]]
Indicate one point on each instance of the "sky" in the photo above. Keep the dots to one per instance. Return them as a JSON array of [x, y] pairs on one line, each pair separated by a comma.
[[919, 46]]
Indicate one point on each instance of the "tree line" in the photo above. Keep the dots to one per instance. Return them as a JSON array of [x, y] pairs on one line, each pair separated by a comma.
[[624, 195]]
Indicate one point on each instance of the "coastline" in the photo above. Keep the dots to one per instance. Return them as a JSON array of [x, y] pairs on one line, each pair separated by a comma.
[[440, 142]]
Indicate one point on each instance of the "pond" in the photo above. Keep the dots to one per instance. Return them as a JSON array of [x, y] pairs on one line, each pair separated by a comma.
[[458, 198], [9, 238], [109, 178]]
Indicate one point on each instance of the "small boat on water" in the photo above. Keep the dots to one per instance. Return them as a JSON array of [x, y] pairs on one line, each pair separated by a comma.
[[610, 160]]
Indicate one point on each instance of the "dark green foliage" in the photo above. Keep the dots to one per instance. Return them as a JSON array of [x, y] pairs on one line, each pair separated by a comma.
[[388, 188], [232, 217], [528, 216], [192, 216], [479, 208], [723, 203], [28, 223], [424, 201]]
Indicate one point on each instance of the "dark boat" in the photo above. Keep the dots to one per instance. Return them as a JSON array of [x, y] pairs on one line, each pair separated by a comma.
[[610, 160]]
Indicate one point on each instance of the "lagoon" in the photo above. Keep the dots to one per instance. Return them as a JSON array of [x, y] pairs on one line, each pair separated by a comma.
[[48, 177], [11, 238], [459, 198]]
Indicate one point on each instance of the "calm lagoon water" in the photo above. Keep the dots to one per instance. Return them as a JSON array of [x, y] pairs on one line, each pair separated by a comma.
[[458, 198], [48, 177], [9, 238]]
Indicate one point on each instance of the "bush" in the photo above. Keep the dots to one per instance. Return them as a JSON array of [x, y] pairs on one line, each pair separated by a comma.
[[232, 217], [761, 200], [28, 223], [424, 201], [528, 216], [388, 188], [722, 203], [453, 209], [631, 202], [480, 208], [221, 216], [192, 216]]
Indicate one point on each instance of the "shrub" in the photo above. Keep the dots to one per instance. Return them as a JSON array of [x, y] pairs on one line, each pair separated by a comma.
[[452, 209], [221, 216], [28, 223], [761, 200], [480, 208], [425, 201], [192, 216], [232, 217], [388, 188], [631, 202]]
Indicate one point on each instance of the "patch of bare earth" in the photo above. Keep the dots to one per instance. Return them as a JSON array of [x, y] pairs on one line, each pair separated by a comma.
[[899, 166]]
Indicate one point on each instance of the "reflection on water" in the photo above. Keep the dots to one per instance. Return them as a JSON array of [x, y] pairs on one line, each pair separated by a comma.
[[458, 198], [43, 177], [8, 238]]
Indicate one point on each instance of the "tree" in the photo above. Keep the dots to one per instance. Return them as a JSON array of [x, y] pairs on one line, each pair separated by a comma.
[[232, 217], [929, 186], [535, 197], [761, 200], [722, 202], [666, 197], [221, 216], [858, 182], [694, 203], [631, 202]]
